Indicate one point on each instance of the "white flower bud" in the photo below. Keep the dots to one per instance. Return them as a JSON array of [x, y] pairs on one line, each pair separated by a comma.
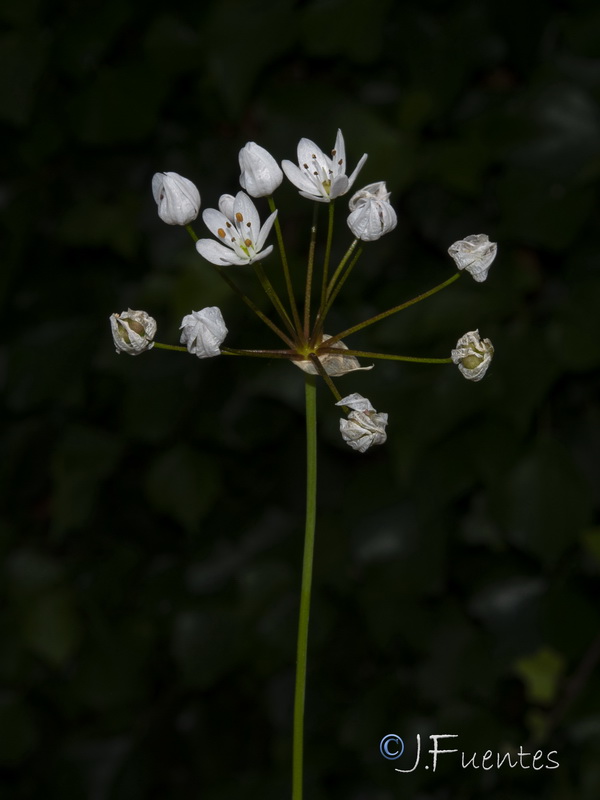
[[333, 364], [261, 174], [475, 254], [132, 331], [364, 426], [202, 332], [371, 213], [177, 198], [473, 355]]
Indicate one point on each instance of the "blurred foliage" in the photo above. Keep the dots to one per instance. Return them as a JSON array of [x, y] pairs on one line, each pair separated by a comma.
[[151, 525]]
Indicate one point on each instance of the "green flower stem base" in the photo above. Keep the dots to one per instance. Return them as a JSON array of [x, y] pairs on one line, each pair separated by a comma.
[[305, 591]]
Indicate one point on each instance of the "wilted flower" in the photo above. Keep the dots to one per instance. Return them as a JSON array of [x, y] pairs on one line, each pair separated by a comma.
[[473, 355], [261, 174], [371, 213], [132, 331], [202, 332], [334, 364], [319, 177], [177, 198], [474, 253], [364, 426], [237, 226]]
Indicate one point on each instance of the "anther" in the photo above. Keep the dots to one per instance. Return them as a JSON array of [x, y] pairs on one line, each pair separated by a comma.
[[239, 217], [221, 233]]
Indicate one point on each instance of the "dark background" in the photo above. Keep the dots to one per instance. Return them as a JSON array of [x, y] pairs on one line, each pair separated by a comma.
[[151, 531]]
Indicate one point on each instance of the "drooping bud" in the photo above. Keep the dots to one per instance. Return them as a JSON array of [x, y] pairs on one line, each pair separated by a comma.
[[475, 254], [202, 332], [132, 331], [371, 213], [365, 426], [261, 174], [473, 355], [177, 198]]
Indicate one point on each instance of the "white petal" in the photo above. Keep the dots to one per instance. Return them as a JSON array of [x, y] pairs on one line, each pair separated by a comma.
[[217, 253], [250, 226], [299, 178], [265, 230], [356, 402], [357, 169], [216, 221]]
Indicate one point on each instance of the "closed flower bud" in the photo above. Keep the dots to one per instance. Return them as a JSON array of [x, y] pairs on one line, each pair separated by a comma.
[[364, 426], [132, 331], [473, 355], [371, 213], [177, 198], [202, 332], [261, 174], [475, 254], [333, 364]]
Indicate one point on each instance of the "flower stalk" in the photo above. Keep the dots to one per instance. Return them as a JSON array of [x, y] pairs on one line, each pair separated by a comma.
[[310, 394]]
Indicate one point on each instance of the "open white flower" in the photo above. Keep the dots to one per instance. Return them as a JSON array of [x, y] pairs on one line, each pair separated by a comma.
[[319, 177], [474, 253], [202, 332], [333, 364], [473, 355], [371, 214], [261, 174], [237, 227], [364, 426], [132, 331], [177, 198]]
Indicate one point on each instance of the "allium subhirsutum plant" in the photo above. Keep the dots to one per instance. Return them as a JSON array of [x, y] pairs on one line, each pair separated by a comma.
[[239, 243]]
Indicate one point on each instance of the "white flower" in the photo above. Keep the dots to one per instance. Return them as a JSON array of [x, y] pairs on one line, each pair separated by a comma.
[[473, 355], [474, 253], [132, 331], [237, 226], [364, 426], [261, 174], [333, 364], [319, 177], [371, 213], [177, 198], [202, 332]]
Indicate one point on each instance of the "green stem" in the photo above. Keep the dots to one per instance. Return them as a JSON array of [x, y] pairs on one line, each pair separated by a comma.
[[331, 295], [393, 310], [289, 354], [325, 349], [191, 232], [286, 268], [305, 591], [323, 373], [160, 346], [327, 253], [273, 296], [309, 269]]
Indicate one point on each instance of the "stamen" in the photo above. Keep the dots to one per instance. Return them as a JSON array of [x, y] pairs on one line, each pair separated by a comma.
[[341, 161], [239, 217], [305, 166], [221, 233], [248, 242], [228, 224]]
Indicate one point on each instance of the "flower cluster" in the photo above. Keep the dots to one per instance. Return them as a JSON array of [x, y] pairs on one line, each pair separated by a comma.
[[240, 240]]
